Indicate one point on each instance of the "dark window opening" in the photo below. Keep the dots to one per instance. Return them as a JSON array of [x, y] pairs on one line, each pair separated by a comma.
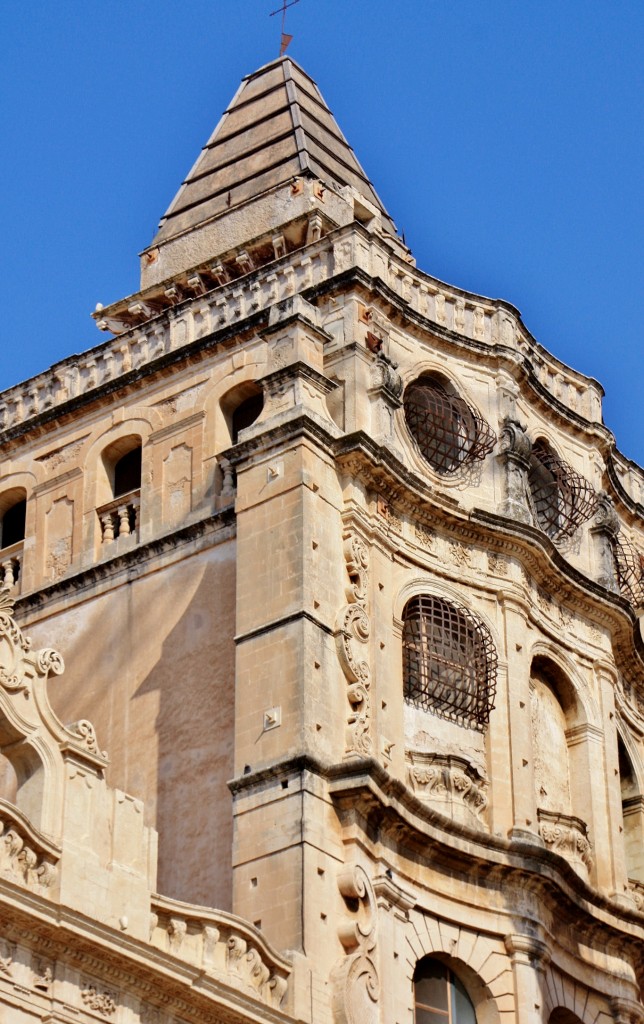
[[439, 996], [449, 662], [127, 473], [245, 414], [448, 432], [13, 524]]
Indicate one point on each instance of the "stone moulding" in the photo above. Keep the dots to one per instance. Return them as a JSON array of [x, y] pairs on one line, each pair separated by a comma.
[[223, 946], [567, 836], [449, 784]]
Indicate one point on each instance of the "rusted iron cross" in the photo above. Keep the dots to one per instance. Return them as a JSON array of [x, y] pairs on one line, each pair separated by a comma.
[[286, 38]]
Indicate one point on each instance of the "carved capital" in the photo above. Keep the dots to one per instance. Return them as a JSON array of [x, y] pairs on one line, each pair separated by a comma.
[[605, 517], [527, 950], [514, 441]]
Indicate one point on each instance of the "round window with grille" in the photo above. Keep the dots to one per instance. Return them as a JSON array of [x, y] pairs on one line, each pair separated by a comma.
[[447, 431], [562, 499], [449, 661]]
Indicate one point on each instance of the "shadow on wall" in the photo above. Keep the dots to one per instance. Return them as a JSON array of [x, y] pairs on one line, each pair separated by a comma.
[[151, 664], [194, 727]]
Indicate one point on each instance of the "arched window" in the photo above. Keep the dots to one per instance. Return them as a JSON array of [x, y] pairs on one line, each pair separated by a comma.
[[12, 528], [447, 431], [449, 661], [119, 489], [439, 996], [562, 499]]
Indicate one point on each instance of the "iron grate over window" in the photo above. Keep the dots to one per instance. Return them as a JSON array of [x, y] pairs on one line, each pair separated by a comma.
[[629, 567], [562, 499], [448, 432], [449, 661]]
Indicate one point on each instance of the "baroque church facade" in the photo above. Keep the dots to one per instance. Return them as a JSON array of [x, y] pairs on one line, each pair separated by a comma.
[[345, 572]]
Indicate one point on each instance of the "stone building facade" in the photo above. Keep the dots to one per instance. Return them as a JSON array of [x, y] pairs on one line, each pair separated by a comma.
[[345, 570]]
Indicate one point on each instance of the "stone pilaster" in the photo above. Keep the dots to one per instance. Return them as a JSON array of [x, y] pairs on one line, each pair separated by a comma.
[[604, 533], [515, 449], [530, 957]]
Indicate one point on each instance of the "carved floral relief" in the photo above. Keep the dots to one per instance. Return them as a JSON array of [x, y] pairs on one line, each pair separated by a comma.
[[352, 635]]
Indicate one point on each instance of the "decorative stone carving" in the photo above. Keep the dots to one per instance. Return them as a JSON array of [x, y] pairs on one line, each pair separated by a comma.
[[567, 836], [450, 785], [354, 629], [604, 530], [102, 1002], [224, 947], [356, 987], [25, 857], [514, 450]]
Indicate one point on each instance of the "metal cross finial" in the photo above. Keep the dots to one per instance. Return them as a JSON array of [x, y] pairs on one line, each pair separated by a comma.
[[286, 38]]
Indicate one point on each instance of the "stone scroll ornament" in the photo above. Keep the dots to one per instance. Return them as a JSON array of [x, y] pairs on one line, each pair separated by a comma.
[[356, 987], [353, 630]]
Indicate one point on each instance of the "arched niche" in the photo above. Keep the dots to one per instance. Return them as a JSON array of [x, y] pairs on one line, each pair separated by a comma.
[[632, 814], [561, 775]]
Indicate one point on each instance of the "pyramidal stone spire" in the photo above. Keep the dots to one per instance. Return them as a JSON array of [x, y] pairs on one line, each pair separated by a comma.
[[277, 131]]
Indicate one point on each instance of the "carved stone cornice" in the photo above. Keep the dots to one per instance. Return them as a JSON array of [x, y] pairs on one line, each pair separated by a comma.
[[367, 798], [116, 961]]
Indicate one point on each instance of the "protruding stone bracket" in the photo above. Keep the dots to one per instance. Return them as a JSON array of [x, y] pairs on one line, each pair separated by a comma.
[[356, 987], [514, 452], [627, 1011], [527, 950]]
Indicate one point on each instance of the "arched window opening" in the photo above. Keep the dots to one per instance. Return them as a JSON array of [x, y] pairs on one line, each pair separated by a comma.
[[448, 432], [561, 498], [127, 473], [13, 513], [13, 524], [440, 996], [449, 661], [246, 414], [118, 513], [632, 815]]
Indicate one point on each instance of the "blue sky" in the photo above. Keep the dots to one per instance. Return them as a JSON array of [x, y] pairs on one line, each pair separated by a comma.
[[505, 138]]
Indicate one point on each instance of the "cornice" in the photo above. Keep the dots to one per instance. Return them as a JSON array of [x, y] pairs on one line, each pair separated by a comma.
[[382, 471], [384, 807], [85, 580], [121, 960]]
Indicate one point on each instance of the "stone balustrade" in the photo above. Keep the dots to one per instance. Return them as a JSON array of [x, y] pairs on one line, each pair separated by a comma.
[[483, 320], [11, 565], [222, 945], [568, 837], [120, 518]]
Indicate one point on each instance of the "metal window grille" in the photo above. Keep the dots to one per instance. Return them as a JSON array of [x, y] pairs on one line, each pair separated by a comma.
[[562, 499], [449, 661], [448, 432], [629, 568]]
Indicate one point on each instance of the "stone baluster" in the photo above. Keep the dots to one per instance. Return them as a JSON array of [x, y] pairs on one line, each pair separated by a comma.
[[123, 513], [8, 573], [107, 526]]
